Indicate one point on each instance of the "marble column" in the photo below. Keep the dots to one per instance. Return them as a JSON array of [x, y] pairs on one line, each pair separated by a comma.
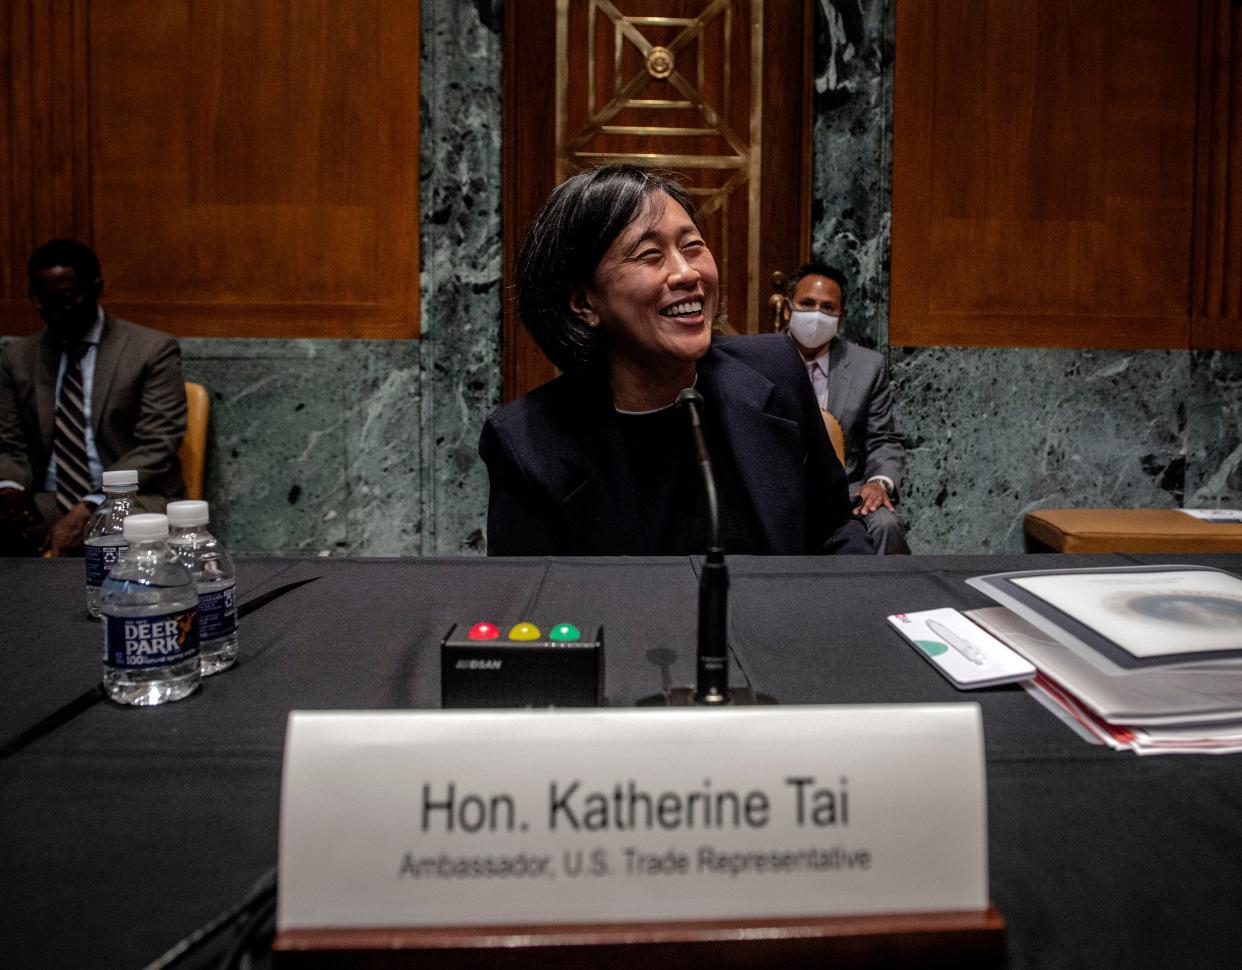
[[853, 112], [461, 365]]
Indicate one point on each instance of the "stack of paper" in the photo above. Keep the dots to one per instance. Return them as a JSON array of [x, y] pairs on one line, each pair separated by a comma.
[[1145, 659]]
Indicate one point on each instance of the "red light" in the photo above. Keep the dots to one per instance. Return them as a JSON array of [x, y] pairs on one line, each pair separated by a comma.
[[483, 631]]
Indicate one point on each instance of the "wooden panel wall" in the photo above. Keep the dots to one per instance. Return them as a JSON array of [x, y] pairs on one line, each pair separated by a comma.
[[1216, 307], [242, 167], [1066, 174], [44, 137]]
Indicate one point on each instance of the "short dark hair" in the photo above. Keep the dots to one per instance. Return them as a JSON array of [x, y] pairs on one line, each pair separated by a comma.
[[79, 257], [565, 242], [815, 268]]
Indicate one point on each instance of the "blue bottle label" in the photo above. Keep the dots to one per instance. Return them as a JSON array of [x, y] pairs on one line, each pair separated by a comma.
[[217, 614], [146, 642], [99, 559]]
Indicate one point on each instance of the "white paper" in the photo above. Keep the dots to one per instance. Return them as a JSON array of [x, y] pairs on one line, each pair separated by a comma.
[[838, 810], [1215, 515], [1225, 738], [966, 654]]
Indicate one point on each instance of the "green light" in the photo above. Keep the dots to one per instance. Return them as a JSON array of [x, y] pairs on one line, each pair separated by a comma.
[[565, 631]]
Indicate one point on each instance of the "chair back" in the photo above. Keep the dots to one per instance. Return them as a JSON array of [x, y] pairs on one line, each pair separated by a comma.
[[777, 302], [835, 434], [193, 452]]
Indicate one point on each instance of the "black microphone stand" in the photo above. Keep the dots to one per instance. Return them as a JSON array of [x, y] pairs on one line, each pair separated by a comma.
[[713, 656], [712, 662]]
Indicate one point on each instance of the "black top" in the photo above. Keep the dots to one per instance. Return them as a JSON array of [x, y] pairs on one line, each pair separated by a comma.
[[668, 481]]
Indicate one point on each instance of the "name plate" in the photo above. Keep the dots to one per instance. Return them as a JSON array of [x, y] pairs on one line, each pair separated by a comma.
[[396, 819]]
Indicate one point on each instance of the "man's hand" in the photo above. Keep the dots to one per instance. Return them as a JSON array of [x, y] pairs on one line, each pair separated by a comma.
[[870, 497], [66, 536]]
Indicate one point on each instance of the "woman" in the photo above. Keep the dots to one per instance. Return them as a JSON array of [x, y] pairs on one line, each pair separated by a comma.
[[619, 289]]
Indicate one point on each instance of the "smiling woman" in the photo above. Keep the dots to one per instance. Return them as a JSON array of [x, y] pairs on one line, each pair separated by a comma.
[[619, 288], [654, 294]]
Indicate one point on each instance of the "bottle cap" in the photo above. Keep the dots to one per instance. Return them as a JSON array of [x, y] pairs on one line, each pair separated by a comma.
[[146, 527], [187, 513], [116, 479]]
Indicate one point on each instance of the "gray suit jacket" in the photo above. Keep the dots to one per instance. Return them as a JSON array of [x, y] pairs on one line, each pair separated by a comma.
[[860, 398], [137, 408]]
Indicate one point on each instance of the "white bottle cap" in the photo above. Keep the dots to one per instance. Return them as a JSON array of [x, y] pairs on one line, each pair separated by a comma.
[[187, 513], [146, 527], [120, 478]]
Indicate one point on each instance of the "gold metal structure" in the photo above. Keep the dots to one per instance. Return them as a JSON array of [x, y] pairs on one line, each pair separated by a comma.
[[670, 79], [659, 62]]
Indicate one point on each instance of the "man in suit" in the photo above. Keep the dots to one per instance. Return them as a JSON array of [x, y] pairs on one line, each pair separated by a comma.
[[851, 383], [91, 393]]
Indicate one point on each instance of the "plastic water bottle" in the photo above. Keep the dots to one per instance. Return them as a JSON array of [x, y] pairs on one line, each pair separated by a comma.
[[105, 532], [203, 555], [150, 614]]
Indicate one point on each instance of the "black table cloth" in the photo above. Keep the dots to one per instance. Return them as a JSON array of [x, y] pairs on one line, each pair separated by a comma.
[[126, 829]]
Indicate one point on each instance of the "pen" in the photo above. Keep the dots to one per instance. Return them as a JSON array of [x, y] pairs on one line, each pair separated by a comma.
[[964, 647]]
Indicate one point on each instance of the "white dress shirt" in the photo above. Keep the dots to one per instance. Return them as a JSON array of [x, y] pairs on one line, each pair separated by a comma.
[[817, 370]]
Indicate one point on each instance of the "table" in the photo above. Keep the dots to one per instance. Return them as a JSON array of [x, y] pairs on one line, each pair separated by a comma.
[[126, 829], [1128, 530]]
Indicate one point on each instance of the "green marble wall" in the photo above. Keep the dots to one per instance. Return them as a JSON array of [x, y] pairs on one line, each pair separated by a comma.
[[315, 445]]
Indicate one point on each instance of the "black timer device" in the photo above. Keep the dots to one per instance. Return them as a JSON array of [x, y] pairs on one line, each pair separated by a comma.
[[483, 665]]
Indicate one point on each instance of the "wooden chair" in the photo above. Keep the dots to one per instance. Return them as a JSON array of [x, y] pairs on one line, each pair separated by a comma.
[[835, 434], [193, 452], [777, 302]]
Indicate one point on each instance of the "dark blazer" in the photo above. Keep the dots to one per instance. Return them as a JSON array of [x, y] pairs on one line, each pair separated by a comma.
[[860, 398], [560, 483], [137, 408]]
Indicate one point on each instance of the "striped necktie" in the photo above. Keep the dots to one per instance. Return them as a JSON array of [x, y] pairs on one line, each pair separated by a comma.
[[73, 476]]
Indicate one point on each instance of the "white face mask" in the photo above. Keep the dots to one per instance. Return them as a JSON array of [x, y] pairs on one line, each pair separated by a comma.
[[813, 328]]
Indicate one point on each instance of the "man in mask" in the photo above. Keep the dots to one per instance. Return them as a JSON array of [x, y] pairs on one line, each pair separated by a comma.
[[851, 383], [89, 394]]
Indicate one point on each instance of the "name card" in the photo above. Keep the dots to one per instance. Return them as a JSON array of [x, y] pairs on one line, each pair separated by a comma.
[[396, 819]]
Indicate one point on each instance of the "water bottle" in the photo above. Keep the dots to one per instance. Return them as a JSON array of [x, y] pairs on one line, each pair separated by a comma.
[[203, 555], [150, 615], [105, 533]]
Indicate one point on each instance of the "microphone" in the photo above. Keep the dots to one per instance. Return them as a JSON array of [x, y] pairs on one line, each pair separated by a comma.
[[712, 660], [713, 650]]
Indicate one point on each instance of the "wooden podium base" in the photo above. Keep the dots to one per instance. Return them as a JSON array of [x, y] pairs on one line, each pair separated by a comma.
[[917, 939]]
